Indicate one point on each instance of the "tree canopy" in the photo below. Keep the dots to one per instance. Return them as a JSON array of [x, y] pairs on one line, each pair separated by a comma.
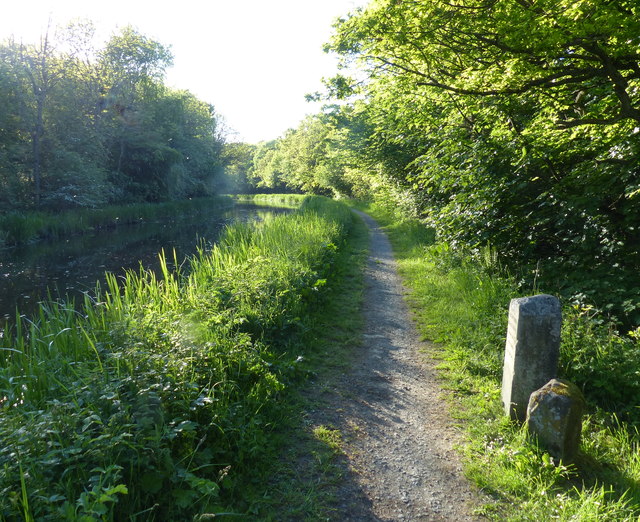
[[514, 123], [580, 57], [86, 127]]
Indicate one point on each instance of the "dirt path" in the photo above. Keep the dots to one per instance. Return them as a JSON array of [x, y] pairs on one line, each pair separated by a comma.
[[398, 436]]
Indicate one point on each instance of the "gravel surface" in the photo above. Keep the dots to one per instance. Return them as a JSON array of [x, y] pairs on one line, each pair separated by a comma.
[[398, 437]]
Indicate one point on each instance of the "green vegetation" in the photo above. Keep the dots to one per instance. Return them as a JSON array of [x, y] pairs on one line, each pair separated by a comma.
[[161, 397], [272, 200], [516, 126], [461, 300], [305, 476], [509, 131], [82, 127]]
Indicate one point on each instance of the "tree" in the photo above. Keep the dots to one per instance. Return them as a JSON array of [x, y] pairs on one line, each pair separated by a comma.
[[267, 167], [87, 127], [191, 129], [52, 104], [514, 123], [132, 67], [580, 56], [14, 134], [77, 152], [41, 70], [237, 159]]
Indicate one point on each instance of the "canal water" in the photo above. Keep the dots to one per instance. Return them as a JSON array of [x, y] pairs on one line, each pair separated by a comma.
[[72, 266]]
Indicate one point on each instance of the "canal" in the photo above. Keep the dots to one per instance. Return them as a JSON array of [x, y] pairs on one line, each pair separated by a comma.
[[71, 267]]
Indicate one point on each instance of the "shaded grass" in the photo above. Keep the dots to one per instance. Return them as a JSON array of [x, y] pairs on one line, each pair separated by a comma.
[[309, 467], [22, 227], [461, 301], [161, 398]]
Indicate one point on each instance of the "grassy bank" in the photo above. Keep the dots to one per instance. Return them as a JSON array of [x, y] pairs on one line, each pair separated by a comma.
[[461, 300], [162, 398], [22, 227], [306, 473], [273, 200]]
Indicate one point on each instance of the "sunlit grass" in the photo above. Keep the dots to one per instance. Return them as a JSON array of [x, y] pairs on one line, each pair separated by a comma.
[[275, 200], [157, 398], [461, 301], [309, 470]]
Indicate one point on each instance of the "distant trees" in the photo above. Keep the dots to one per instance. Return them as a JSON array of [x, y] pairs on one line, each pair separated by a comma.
[[238, 169], [314, 158], [85, 127]]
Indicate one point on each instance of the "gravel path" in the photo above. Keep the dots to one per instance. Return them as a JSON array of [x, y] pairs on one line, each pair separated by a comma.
[[398, 437]]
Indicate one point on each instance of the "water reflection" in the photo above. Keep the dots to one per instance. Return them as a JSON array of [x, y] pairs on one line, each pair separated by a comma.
[[72, 266]]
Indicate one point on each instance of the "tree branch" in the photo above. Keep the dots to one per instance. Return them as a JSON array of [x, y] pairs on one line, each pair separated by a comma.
[[568, 124], [620, 83]]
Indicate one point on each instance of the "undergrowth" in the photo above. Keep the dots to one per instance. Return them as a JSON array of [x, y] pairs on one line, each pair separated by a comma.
[[461, 299], [160, 397]]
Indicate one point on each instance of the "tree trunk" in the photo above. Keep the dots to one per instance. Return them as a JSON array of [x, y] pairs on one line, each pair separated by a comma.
[[38, 132]]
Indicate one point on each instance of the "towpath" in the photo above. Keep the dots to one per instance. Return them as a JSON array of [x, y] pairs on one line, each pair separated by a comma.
[[398, 437]]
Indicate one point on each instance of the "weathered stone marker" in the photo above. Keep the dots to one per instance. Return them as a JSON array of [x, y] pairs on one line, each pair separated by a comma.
[[532, 350], [554, 418]]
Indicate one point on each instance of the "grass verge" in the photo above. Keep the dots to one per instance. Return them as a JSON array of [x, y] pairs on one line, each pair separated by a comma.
[[272, 200], [461, 300], [167, 398], [310, 465]]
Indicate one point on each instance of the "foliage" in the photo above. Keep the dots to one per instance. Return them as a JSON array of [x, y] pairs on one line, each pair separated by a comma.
[[156, 399], [267, 168], [84, 127], [317, 157], [602, 360], [237, 161], [513, 124]]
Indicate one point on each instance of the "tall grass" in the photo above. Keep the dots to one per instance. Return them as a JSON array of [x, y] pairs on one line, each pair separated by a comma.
[[156, 399], [461, 300], [17, 227]]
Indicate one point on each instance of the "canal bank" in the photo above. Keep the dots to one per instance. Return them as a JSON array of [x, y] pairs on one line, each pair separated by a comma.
[[71, 266], [163, 398]]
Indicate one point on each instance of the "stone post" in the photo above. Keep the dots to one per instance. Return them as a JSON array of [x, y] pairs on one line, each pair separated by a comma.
[[532, 350], [554, 418]]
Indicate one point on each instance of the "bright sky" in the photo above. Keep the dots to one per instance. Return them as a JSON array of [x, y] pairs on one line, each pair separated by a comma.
[[254, 60]]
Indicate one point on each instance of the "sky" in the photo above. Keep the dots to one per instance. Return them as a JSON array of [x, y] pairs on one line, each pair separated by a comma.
[[254, 60]]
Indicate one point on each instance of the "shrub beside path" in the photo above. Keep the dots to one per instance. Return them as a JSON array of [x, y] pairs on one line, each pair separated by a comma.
[[397, 435]]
